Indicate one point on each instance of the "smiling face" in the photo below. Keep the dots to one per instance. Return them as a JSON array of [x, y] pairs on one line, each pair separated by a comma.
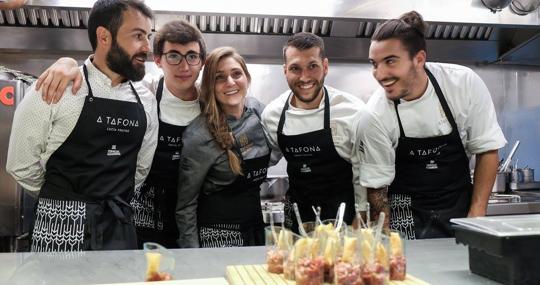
[[231, 84], [130, 47], [305, 71], [401, 76], [182, 76]]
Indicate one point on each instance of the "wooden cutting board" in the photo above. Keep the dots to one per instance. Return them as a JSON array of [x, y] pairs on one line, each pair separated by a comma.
[[257, 275]]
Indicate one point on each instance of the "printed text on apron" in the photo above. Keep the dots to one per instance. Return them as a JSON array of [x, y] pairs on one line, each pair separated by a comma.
[[432, 182], [88, 179], [318, 176]]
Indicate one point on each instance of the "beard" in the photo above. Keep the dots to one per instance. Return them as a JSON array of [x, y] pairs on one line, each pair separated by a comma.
[[309, 97], [404, 85], [119, 61]]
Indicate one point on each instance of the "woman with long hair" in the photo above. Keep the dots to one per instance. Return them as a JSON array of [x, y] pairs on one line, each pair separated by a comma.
[[224, 160]]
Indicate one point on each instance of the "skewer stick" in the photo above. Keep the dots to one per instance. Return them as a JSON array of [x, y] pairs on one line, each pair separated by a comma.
[[299, 220]]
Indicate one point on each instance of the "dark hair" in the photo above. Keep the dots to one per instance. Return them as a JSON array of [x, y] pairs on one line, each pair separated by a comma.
[[109, 14], [179, 32], [303, 41], [410, 29]]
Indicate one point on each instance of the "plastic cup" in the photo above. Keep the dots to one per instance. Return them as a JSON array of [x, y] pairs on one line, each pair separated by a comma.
[[160, 261]]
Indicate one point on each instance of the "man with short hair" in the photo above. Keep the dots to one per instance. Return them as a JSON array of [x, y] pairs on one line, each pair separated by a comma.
[[86, 154], [424, 123], [311, 125], [180, 51]]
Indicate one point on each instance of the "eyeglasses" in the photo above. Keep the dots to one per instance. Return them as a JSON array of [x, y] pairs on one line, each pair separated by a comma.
[[175, 58]]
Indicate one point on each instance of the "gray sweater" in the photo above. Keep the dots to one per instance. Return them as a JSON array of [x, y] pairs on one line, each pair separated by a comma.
[[204, 166]]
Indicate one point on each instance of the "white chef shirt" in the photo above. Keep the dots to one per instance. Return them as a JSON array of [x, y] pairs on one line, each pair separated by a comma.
[[471, 106], [344, 108], [174, 110], [39, 129]]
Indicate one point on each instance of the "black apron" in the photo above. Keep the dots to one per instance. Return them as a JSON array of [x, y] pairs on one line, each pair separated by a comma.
[[432, 182], [318, 175], [154, 202], [88, 179], [236, 209]]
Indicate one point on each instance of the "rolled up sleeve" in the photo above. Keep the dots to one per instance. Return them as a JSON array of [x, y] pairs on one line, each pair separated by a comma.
[[375, 152], [28, 141], [483, 130]]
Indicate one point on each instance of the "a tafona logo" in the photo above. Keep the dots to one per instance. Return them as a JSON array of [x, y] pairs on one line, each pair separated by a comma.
[[121, 122], [303, 149], [113, 151]]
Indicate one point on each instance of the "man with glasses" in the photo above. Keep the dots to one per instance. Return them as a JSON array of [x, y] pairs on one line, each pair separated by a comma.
[[179, 50]]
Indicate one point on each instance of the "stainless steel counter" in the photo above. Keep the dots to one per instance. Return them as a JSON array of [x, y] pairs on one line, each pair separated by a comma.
[[528, 203], [438, 261]]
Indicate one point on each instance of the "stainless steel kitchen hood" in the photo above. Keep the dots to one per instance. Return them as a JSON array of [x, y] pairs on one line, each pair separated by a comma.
[[460, 30]]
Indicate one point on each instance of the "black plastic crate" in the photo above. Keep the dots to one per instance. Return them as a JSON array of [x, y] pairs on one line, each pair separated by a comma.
[[510, 260]]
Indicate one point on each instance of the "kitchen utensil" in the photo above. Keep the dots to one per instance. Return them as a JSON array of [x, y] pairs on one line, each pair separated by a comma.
[[506, 163], [500, 182], [528, 175], [516, 175]]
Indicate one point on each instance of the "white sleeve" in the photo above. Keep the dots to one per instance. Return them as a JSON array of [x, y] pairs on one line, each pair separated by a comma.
[[148, 146], [360, 193], [28, 140], [151, 81], [376, 153], [483, 130]]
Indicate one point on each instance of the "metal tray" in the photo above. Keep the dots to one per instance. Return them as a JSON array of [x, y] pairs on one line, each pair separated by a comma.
[[524, 186]]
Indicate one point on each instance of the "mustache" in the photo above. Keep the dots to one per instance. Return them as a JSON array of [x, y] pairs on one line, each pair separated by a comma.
[[306, 82]]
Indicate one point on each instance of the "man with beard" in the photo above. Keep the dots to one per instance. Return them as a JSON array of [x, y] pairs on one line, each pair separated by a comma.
[[86, 154], [312, 127], [180, 51], [426, 120]]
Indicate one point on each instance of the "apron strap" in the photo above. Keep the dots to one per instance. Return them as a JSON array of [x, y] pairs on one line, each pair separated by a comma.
[[448, 113], [442, 100], [91, 94], [326, 112], [159, 94], [401, 131], [85, 71]]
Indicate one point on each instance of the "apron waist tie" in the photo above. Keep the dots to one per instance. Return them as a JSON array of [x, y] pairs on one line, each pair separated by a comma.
[[96, 228]]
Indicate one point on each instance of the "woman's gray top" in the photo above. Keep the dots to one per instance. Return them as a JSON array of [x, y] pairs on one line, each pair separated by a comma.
[[204, 166]]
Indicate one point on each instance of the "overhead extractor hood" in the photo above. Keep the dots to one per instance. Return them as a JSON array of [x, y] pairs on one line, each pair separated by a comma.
[[459, 31]]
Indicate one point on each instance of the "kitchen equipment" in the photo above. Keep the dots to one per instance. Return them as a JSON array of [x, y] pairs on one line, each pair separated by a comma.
[[506, 163], [516, 175], [502, 248], [528, 175], [275, 209], [501, 181], [496, 5], [535, 185], [274, 188], [17, 206], [504, 198]]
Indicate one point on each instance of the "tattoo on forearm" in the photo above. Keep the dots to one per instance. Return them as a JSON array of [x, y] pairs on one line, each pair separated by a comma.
[[378, 200]]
